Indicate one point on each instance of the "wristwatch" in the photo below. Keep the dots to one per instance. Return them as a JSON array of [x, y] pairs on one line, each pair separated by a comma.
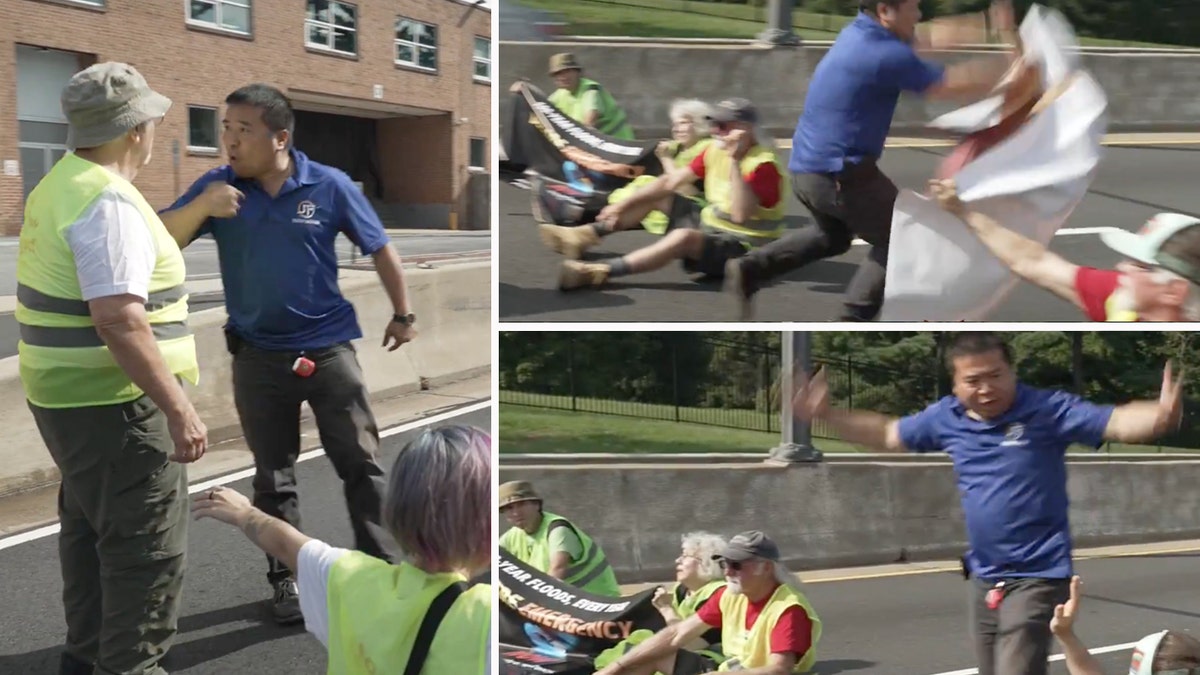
[[404, 319]]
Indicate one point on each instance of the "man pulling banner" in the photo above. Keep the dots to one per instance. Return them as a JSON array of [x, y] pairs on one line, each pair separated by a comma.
[[549, 626], [576, 166], [1029, 159]]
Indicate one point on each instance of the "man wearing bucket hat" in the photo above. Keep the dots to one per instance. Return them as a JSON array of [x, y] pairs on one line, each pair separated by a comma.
[[1159, 280], [553, 544], [584, 100], [104, 344], [767, 625], [1162, 653]]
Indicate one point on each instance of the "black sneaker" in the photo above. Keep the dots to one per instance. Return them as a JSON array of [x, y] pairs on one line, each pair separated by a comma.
[[69, 665], [286, 604]]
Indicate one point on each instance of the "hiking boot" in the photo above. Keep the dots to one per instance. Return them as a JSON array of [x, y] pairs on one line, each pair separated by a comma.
[[286, 603], [569, 241], [735, 285], [575, 274]]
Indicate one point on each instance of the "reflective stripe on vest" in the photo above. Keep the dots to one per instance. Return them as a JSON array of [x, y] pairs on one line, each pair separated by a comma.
[[767, 223], [752, 648], [63, 361], [366, 593], [579, 574]]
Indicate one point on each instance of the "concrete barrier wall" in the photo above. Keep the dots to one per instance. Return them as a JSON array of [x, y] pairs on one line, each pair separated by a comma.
[[453, 308], [1147, 92], [839, 514]]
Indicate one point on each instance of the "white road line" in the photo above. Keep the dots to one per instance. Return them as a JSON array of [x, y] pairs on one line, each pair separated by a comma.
[[1065, 232], [39, 533], [1056, 657]]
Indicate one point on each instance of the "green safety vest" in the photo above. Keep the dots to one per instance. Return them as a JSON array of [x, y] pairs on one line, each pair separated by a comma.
[[684, 607], [592, 573], [376, 609], [63, 361], [747, 649], [766, 224], [612, 120], [656, 222]]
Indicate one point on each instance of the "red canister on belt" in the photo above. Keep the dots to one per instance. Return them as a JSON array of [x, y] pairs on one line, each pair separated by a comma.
[[304, 366], [994, 596]]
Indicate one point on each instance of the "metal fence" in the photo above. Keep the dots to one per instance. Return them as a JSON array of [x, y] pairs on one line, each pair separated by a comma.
[[726, 383]]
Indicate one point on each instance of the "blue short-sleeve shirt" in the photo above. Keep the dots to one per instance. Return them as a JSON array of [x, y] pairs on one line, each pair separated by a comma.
[[1012, 476], [853, 94], [278, 258]]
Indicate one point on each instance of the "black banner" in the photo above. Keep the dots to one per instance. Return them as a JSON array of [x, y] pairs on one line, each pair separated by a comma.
[[549, 626], [540, 137]]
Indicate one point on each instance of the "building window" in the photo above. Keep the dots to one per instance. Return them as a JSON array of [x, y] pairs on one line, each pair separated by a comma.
[[332, 25], [41, 145], [478, 153], [231, 15], [202, 129], [416, 44], [483, 59]]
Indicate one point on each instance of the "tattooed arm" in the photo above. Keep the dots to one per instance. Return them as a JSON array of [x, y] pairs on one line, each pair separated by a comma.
[[275, 537]]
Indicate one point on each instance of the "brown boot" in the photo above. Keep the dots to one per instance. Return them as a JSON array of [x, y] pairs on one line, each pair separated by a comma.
[[575, 274], [569, 241]]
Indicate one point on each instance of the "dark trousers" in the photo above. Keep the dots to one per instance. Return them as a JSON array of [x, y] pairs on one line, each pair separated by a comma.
[[1015, 638], [856, 202], [123, 509], [268, 395]]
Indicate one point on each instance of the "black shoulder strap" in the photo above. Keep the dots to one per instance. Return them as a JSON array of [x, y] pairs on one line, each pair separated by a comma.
[[429, 625]]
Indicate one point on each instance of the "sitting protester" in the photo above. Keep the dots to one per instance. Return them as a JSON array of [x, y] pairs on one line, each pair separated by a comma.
[[1162, 653]]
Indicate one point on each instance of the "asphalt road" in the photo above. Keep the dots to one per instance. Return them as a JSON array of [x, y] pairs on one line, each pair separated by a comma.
[[917, 624], [1133, 184], [225, 625]]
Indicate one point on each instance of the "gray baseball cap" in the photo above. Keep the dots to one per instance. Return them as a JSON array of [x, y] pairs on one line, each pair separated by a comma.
[[107, 100], [734, 110], [747, 545]]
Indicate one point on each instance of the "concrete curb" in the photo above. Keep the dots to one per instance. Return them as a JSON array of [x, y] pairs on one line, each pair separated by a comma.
[[453, 343]]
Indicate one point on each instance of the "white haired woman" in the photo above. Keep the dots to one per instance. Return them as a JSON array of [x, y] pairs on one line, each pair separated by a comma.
[[690, 135], [697, 577], [367, 611]]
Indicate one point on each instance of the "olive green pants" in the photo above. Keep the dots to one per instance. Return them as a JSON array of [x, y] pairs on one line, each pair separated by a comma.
[[123, 507]]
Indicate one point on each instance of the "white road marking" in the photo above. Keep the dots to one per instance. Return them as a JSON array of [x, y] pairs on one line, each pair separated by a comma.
[[1056, 657], [46, 531]]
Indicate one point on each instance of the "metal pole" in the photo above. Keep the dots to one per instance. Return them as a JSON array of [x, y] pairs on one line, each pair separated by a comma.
[[778, 32], [796, 439]]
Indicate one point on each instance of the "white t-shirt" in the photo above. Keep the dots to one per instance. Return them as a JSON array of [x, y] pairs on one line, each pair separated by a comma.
[[314, 565], [114, 250]]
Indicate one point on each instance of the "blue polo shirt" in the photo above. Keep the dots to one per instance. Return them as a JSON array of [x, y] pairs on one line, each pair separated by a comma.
[[852, 97], [278, 259], [1012, 476]]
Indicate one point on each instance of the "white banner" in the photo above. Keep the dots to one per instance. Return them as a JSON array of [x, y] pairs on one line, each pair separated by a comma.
[[1030, 183]]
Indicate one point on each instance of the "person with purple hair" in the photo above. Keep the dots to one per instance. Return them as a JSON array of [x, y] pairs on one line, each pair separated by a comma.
[[366, 611]]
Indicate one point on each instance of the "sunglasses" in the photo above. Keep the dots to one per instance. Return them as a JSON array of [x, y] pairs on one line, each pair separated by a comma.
[[722, 127], [735, 565]]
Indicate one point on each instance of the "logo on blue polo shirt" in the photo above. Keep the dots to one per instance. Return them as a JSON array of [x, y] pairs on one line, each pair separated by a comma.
[[1014, 435], [305, 212]]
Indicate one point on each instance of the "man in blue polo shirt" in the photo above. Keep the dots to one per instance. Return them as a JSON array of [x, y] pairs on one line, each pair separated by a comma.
[[840, 137], [275, 216], [1008, 443]]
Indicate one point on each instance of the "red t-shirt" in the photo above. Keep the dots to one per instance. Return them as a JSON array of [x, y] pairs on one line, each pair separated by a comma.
[[1094, 287], [792, 633], [763, 180]]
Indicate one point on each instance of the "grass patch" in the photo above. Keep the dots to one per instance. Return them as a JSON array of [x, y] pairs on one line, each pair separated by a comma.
[[699, 19], [525, 429]]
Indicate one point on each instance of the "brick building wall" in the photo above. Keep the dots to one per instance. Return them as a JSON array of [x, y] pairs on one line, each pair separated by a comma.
[[200, 66]]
